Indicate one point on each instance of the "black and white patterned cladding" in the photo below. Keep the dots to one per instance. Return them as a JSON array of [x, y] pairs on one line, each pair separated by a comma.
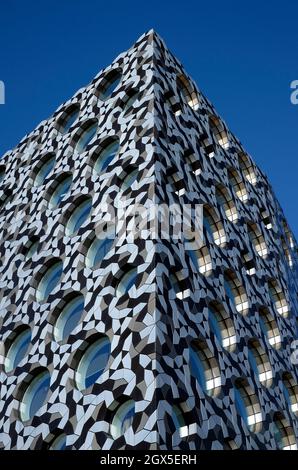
[[184, 154]]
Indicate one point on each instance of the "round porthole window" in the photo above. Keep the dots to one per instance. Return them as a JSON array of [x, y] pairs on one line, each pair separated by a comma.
[[109, 84], [247, 406], [59, 190], [44, 168], [79, 215], [86, 136], [204, 368], [98, 249], [35, 395], [69, 317], [106, 155], [126, 282], [49, 280], [17, 349], [68, 118], [93, 363], [123, 419]]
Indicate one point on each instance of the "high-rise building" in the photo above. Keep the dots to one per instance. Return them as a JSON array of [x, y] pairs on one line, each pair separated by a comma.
[[116, 341]]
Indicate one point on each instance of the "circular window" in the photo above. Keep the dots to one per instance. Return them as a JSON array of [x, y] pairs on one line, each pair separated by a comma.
[[269, 328], [283, 433], [69, 317], [131, 98], [247, 406], [204, 368], [59, 190], [109, 84], [44, 168], [93, 363], [213, 226], [49, 280], [59, 443], [87, 134], [290, 391], [79, 215], [235, 292], [68, 118], [17, 350], [123, 419], [260, 363], [129, 178], [187, 91], [35, 395], [222, 327], [98, 250], [126, 282], [106, 155]]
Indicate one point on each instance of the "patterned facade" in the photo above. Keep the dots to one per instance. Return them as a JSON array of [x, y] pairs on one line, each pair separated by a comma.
[[233, 301]]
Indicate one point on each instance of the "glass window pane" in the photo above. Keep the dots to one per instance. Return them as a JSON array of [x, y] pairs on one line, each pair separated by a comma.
[[18, 350]]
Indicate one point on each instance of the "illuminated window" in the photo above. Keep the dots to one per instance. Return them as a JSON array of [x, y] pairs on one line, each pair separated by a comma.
[[269, 328], [287, 252], [178, 286], [290, 391], [259, 362], [257, 239], [278, 298], [235, 292], [213, 226], [237, 185], [226, 202], [201, 260], [247, 405], [218, 131], [204, 368], [222, 326], [247, 168], [187, 91], [283, 433]]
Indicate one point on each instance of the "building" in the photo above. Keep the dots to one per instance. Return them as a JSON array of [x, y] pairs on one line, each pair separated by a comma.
[[143, 343]]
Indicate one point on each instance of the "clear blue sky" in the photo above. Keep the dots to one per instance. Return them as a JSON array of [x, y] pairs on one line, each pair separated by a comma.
[[243, 56]]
